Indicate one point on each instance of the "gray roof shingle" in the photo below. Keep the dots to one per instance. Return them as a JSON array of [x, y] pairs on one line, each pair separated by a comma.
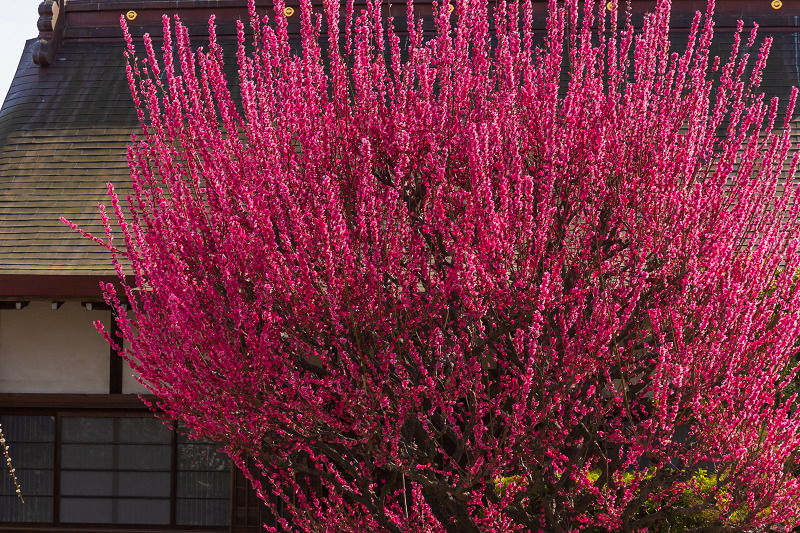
[[64, 130]]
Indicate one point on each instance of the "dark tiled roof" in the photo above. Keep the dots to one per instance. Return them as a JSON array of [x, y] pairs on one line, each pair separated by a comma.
[[65, 127], [63, 135]]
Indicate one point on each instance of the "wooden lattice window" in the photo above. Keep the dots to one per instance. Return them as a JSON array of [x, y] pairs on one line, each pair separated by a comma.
[[122, 469]]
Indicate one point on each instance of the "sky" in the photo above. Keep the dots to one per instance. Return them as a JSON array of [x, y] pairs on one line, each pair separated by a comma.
[[17, 25]]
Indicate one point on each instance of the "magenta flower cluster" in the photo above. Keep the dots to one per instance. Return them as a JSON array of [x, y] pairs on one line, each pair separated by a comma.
[[474, 280]]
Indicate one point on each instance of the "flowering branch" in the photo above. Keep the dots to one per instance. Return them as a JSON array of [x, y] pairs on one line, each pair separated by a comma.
[[476, 280], [11, 469]]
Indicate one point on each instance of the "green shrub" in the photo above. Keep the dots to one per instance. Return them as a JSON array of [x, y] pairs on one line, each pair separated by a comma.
[[700, 491]]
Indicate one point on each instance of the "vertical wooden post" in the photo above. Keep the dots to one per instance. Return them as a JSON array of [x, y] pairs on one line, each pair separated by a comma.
[[115, 359]]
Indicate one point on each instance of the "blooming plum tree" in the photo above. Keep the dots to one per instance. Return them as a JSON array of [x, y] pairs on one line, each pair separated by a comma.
[[471, 281]]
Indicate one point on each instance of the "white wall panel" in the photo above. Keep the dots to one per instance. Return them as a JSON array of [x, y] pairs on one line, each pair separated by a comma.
[[129, 383], [53, 351]]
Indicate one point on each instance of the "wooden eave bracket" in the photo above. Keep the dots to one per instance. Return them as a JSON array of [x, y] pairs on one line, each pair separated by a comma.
[[13, 304], [51, 31]]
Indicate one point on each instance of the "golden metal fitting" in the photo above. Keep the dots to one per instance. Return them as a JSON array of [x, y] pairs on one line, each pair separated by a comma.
[[288, 11], [610, 6], [777, 4], [130, 15], [450, 8]]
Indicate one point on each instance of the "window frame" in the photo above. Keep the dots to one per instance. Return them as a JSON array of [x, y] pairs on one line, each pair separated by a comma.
[[100, 406]]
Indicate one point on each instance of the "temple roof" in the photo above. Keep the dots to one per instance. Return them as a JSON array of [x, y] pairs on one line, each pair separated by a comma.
[[63, 134], [64, 130]]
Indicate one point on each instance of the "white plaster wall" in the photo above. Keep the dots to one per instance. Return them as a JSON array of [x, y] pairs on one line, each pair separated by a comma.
[[129, 383], [53, 351]]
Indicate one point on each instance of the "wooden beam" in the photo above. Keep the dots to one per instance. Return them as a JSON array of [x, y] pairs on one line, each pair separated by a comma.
[[9, 401], [53, 287]]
